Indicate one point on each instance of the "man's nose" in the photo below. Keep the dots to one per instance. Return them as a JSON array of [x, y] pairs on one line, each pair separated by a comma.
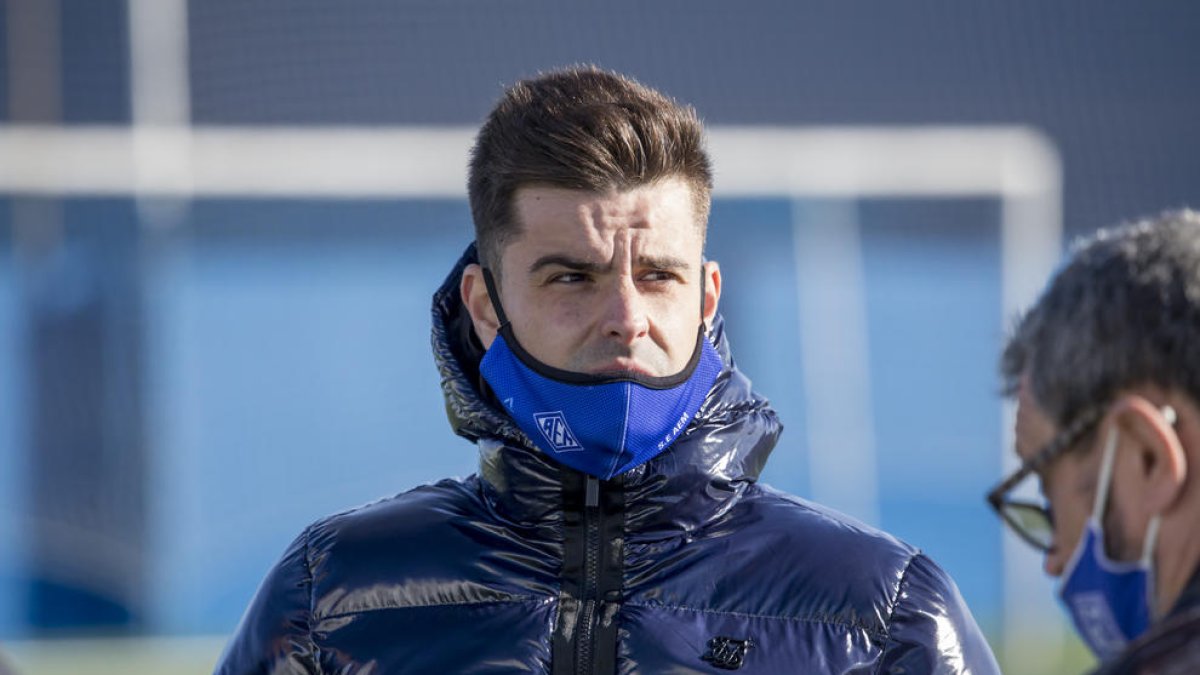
[[625, 312]]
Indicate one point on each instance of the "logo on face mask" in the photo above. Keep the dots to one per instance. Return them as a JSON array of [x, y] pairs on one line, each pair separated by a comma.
[[554, 427], [1097, 623], [679, 425]]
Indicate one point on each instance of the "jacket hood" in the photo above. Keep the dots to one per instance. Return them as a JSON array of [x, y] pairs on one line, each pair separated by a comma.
[[693, 482]]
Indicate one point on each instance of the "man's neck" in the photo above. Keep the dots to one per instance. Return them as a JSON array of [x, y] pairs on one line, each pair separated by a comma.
[[1177, 568], [1189, 597]]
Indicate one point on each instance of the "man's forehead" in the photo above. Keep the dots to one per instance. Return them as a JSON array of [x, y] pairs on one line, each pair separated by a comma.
[[663, 195], [556, 221]]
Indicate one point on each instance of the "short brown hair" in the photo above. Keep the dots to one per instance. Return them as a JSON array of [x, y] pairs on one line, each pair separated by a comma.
[[580, 128]]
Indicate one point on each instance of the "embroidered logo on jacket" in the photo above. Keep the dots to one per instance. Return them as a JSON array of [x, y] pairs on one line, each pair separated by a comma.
[[727, 653], [554, 427]]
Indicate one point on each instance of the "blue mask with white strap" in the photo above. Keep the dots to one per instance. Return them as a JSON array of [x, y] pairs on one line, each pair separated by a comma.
[[1108, 600], [602, 425]]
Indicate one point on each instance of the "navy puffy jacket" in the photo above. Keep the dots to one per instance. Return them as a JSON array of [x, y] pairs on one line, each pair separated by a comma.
[[683, 565]]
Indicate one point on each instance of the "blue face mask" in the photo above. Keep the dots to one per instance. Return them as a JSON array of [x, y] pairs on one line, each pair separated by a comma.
[[1108, 600], [602, 425]]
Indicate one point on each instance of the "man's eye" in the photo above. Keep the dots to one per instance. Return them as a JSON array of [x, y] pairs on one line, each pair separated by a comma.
[[568, 278], [659, 275]]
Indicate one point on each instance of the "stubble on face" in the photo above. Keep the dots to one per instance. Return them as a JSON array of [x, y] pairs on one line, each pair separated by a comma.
[[606, 282]]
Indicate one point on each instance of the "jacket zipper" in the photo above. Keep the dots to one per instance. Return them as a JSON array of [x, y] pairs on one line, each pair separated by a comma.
[[592, 517], [585, 633]]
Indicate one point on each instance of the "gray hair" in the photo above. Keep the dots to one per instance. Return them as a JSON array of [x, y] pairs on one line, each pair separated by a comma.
[[1123, 311]]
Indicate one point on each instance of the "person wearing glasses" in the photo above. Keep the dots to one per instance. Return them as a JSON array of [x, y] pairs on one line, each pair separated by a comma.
[[1105, 370]]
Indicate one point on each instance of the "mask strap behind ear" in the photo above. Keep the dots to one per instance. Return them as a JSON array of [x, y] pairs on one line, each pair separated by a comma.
[[494, 294], [1105, 482], [1106, 470], [1151, 539], [1170, 417]]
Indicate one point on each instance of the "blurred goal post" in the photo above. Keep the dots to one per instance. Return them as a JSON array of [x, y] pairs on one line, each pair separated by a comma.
[[164, 166]]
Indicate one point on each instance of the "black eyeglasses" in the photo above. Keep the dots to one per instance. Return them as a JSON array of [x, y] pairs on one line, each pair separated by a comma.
[[1031, 521]]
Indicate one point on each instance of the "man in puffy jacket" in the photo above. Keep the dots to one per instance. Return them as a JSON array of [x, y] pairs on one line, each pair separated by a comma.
[[615, 524], [1106, 372]]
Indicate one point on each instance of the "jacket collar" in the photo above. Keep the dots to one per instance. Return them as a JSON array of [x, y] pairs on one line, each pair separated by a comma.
[[694, 482]]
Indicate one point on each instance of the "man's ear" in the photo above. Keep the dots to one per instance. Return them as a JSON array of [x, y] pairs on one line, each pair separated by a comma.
[[479, 304], [1158, 464], [712, 292]]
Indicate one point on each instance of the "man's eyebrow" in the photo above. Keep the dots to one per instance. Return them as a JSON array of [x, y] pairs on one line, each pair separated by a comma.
[[568, 262], [663, 262], [659, 262]]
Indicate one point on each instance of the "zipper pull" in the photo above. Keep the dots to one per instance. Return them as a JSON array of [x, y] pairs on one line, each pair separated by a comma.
[[592, 492]]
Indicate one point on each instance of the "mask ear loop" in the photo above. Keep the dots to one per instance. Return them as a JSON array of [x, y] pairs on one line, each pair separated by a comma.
[[1102, 488], [1169, 416], [1151, 540], [494, 294], [1106, 470]]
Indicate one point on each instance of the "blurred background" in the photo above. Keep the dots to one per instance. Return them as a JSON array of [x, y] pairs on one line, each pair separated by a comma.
[[221, 223]]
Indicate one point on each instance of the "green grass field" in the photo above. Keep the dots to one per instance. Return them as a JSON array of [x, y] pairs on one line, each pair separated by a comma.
[[114, 656]]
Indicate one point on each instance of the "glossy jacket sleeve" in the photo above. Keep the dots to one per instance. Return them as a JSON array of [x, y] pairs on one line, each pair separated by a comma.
[[274, 636], [931, 630]]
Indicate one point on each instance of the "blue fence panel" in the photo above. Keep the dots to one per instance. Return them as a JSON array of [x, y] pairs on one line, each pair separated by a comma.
[[292, 342]]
